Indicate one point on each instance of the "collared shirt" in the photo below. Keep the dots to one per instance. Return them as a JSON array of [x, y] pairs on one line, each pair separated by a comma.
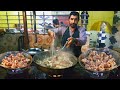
[[82, 33]]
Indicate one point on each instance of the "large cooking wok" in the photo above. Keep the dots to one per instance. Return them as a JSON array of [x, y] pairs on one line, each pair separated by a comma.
[[15, 70], [100, 74], [50, 70]]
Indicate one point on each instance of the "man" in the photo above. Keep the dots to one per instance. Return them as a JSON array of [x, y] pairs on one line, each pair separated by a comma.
[[57, 28], [56, 23], [74, 34]]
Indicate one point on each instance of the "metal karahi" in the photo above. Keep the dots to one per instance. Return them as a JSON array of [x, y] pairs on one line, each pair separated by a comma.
[[12, 55], [100, 74], [50, 66]]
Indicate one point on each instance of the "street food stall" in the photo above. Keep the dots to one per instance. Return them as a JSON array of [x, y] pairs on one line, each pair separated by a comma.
[[32, 56]]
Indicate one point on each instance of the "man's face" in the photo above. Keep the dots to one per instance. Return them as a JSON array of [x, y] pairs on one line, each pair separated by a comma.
[[73, 21]]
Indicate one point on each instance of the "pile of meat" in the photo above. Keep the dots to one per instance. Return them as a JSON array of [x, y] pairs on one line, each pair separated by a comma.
[[15, 61], [99, 61]]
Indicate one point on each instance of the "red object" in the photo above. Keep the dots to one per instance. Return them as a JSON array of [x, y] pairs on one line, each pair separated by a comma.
[[63, 19]]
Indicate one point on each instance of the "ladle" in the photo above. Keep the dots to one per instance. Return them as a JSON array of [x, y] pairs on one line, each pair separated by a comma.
[[64, 45]]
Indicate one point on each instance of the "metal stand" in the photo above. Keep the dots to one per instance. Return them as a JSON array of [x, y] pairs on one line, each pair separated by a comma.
[[31, 20], [7, 20], [34, 16]]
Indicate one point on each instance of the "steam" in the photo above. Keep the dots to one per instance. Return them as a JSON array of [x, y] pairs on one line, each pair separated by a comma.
[[52, 48], [60, 52]]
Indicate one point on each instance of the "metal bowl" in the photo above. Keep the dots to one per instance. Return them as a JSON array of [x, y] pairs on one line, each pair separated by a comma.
[[33, 51], [100, 74], [15, 70], [49, 70]]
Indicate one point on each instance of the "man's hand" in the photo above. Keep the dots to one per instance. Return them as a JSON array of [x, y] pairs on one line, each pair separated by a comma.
[[51, 33], [70, 38], [70, 41]]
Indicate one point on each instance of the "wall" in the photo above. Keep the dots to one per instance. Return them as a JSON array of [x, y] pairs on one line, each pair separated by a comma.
[[43, 40], [9, 42], [13, 19], [3, 19], [95, 16], [115, 38], [94, 24]]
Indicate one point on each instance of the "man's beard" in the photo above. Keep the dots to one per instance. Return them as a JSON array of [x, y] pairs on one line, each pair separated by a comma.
[[73, 25]]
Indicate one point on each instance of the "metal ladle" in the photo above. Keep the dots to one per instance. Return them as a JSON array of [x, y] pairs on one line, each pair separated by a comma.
[[64, 45]]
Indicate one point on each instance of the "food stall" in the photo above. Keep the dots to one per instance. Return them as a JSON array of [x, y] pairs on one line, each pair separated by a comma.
[[19, 63]]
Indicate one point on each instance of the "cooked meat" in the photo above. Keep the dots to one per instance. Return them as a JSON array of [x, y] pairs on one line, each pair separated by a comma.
[[15, 61], [99, 61]]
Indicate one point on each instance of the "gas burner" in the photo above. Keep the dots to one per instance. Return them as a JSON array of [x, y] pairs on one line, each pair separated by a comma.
[[36, 74], [40, 75], [18, 76], [55, 76], [17, 71]]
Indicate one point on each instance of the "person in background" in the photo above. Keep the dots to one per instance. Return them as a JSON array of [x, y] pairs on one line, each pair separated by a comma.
[[74, 35], [49, 26], [102, 36], [56, 30], [56, 23], [62, 24]]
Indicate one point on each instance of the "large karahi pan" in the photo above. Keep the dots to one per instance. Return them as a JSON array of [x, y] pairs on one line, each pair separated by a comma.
[[16, 70], [52, 71], [100, 74]]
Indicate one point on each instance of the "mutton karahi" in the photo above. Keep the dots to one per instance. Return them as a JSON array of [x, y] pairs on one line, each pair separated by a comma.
[[99, 61], [17, 60]]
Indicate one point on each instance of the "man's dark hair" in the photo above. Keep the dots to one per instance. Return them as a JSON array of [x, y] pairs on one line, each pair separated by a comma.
[[74, 13], [56, 21]]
